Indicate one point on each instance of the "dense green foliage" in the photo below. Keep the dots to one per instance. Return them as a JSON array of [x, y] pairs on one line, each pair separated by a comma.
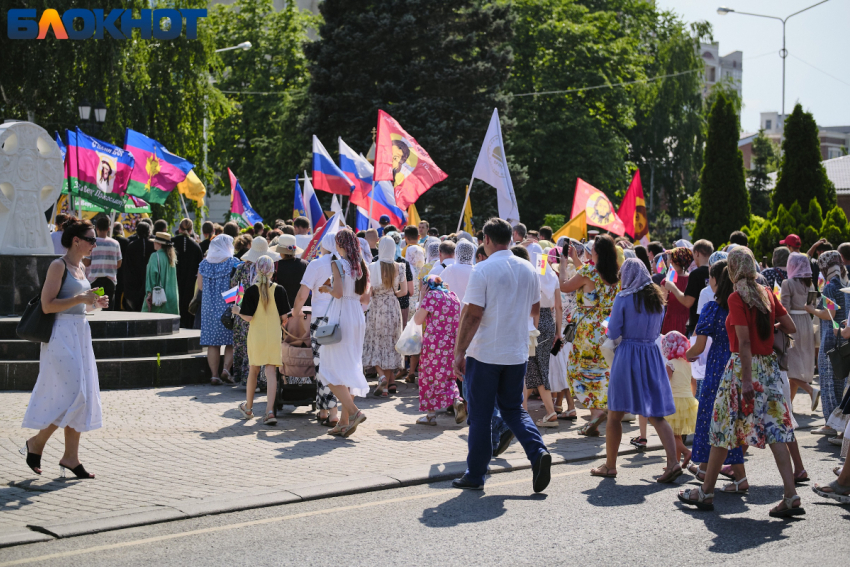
[[159, 88], [801, 173], [436, 66], [724, 201], [260, 139], [764, 159]]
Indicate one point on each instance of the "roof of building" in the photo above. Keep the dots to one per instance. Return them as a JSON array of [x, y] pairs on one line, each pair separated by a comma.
[[837, 170]]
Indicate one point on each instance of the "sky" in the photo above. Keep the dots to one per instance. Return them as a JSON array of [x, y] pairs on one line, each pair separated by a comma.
[[815, 38]]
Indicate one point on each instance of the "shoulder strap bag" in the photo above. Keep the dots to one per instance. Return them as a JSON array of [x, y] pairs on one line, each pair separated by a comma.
[[329, 334], [35, 325], [158, 297]]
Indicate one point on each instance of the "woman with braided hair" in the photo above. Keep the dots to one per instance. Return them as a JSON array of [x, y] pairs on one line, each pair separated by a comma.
[[342, 362]]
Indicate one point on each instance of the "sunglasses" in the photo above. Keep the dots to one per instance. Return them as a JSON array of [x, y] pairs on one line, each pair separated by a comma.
[[90, 239]]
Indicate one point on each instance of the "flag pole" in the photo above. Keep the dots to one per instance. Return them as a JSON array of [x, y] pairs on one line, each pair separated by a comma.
[[183, 201], [371, 204], [463, 208]]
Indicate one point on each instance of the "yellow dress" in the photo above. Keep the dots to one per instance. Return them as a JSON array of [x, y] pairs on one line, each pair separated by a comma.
[[264, 334], [684, 421]]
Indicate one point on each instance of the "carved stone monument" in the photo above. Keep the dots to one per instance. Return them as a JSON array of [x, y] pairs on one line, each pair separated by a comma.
[[30, 181]]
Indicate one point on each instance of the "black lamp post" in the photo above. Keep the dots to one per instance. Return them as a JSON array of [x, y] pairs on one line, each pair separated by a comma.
[[85, 110]]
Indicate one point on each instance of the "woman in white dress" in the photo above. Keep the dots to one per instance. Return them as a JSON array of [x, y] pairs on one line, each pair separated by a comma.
[[342, 362], [67, 392]]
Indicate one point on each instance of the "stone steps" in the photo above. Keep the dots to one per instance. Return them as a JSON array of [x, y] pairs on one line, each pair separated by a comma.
[[184, 341], [120, 373], [132, 350]]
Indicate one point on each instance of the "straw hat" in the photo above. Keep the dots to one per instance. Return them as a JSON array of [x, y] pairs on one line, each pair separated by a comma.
[[163, 238], [259, 247], [286, 246]]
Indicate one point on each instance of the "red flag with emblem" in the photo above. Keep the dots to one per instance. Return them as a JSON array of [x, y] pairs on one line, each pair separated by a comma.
[[633, 211], [600, 211]]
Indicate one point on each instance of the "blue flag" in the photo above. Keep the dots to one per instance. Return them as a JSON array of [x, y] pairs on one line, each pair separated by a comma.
[[298, 210]]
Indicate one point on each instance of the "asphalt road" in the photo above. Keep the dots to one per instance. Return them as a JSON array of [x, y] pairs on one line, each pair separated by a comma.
[[578, 520]]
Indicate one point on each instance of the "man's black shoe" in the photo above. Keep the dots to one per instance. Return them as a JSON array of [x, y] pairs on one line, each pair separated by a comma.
[[464, 482], [541, 472], [504, 442]]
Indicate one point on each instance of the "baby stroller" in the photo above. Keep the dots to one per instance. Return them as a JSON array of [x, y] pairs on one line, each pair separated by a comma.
[[298, 385]]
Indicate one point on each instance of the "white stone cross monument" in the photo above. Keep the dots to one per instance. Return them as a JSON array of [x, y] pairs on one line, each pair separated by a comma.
[[31, 174]]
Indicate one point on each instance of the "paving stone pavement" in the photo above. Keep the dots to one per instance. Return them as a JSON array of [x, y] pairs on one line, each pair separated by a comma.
[[159, 446]]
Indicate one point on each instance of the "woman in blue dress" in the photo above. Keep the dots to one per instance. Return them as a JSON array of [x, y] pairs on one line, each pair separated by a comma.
[[639, 382], [712, 323], [831, 386], [213, 280]]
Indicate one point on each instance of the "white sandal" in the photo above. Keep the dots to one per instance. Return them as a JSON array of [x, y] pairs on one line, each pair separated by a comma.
[[737, 484], [700, 502], [548, 421], [247, 413], [427, 420], [789, 508]]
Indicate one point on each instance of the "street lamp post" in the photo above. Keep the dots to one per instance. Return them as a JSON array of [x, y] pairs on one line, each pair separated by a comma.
[[723, 10], [85, 110], [244, 46]]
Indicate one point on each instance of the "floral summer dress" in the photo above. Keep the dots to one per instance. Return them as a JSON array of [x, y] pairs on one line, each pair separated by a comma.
[[588, 369], [437, 386]]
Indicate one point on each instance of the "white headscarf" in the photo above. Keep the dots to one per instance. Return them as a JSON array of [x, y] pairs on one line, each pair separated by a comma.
[[221, 248], [386, 250], [364, 249], [432, 246], [329, 237], [465, 252]]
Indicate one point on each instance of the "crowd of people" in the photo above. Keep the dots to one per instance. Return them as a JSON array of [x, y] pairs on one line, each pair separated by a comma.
[[692, 339]]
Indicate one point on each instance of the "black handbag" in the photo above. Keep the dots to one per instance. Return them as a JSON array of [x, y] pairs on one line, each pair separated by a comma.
[[839, 359], [228, 319], [35, 325]]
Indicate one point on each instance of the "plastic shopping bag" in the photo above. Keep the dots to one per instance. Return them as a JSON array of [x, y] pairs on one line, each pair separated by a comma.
[[410, 341], [608, 348], [558, 367]]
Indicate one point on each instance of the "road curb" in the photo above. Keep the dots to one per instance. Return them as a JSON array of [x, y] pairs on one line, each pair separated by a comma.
[[265, 498], [199, 507]]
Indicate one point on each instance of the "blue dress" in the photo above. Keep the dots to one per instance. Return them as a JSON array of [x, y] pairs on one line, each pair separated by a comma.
[[831, 389], [639, 382], [712, 323], [216, 281]]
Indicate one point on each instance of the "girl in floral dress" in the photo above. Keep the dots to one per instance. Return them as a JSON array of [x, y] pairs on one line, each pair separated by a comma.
[[750, 407], [440, 311], [596, 286]]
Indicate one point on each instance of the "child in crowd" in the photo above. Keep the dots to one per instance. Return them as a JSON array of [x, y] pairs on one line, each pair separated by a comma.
[[674, 346], [265, 307]]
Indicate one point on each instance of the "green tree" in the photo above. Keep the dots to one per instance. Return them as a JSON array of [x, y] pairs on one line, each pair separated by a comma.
[[266, 86], [801, 173], [724, 202], [668, 137], [556, 221], [836, 228], [764, 161], [159, 88], [437, 67], [564, 45]]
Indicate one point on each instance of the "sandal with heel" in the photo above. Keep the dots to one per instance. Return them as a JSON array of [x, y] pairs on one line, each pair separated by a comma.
[[33, 460], [79, 471]]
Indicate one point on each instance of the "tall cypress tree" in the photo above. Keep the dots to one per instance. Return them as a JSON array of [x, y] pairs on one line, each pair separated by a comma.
[[801, 173], [724, 201], [764, 159], [436, 66]]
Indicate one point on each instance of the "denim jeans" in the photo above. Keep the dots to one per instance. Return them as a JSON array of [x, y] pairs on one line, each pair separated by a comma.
[[487, 385], [497, 424]]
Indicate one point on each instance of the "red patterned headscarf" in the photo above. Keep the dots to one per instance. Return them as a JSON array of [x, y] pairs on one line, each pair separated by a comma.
[[346, 240]]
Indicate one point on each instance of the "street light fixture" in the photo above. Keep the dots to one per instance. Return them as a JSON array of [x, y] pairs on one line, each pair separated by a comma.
[[84, 109], [100, 113], [783, 53], [244, 46]]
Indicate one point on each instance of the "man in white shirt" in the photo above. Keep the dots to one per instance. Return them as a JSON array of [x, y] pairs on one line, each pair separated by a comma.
[[56, 235], [447, 258], [301, 226], [317, 274], [491, 354]]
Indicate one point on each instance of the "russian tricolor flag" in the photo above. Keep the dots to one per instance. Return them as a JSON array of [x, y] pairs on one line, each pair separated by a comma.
[[313, 210], [327, 176], [360, 171]]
